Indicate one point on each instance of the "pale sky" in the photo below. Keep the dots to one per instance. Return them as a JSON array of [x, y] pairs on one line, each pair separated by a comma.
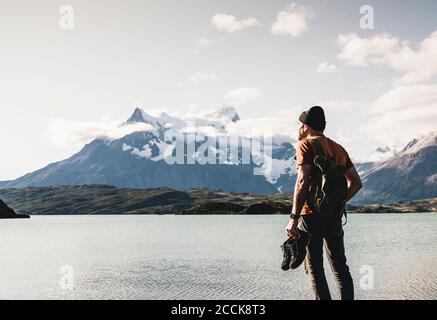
[[270, 59]]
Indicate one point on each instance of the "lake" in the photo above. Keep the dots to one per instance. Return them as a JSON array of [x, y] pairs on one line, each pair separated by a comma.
[[391, 256]]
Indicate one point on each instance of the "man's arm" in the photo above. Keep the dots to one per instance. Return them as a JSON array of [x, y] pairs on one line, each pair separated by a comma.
[[301, 188], [300, 195], [354, 183]]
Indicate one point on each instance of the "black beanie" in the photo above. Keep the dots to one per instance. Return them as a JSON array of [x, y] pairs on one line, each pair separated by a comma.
[[314, 117]]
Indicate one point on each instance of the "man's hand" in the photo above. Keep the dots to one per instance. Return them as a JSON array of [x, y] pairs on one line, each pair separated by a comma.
[[291, 230]]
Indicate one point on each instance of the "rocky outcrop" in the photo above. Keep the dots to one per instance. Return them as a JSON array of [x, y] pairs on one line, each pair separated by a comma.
[[8, 213], [262, 207], [215, 208], [426, 205], [268, 207]]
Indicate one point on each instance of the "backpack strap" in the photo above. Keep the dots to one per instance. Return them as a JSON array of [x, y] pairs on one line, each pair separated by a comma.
[[345, 215], [316, 185]]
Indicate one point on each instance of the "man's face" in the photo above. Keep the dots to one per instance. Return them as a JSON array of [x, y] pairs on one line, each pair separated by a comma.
[[302, 131]]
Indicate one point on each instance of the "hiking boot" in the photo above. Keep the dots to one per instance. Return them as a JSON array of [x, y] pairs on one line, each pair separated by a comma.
[[294, 251], [286, 253]]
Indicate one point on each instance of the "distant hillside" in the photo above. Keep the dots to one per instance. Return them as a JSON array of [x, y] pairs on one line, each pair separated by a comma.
[[98, 199], [409, 175], [425, 205], [3, 183], [363, 167], [94, 199]]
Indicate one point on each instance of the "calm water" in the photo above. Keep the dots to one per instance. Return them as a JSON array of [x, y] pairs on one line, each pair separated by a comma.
[[203, 257]]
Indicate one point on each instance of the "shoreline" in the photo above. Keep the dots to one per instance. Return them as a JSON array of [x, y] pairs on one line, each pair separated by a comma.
[[108, 200], [189, 215]]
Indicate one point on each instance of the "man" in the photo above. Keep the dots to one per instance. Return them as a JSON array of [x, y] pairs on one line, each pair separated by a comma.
[[312, 124]]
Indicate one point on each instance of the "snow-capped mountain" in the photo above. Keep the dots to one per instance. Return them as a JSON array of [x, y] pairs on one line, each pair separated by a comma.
[[363, 167], [217, 119], [409, 175], [181, 153]]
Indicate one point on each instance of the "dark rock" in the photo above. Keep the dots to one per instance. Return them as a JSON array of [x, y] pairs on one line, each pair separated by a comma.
[[8, 213], [215, 208], [268, 207]]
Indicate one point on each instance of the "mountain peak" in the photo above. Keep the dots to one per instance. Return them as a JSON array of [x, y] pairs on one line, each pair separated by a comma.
[[226, 113], [140, 116], [137, 116], [422, 142]]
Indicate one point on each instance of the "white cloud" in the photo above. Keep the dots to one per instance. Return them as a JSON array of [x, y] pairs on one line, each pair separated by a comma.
[[383, 153], [403, 113], [362, 52], [406, 97], [63, 132], [343, 105], [242, 95], [205, 42], [203, 76], [418, 62], [292, 21], [228, 23], [326, 67]]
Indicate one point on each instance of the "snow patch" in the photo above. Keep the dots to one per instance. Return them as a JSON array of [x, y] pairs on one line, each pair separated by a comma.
[[146, 152], [425, 141], [279, 168], [126, 147], [432, 179]]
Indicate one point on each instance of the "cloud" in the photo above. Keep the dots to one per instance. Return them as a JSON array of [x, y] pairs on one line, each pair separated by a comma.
[[242, 95], [228, 23], [362, 52], [277, 126], [406, 97], [343, 105], [203, 76], [402, 113], [417, 62], [205, 42], [326, 67], [292, 21], [63, 132]]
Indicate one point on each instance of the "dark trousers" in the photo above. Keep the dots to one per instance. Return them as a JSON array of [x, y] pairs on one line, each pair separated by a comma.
[[329, 235]]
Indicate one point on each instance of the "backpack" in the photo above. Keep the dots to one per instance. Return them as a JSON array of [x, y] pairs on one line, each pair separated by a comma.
[[328, 190]]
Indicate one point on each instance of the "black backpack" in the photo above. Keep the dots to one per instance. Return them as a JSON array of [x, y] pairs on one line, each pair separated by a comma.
[[328, 190]]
